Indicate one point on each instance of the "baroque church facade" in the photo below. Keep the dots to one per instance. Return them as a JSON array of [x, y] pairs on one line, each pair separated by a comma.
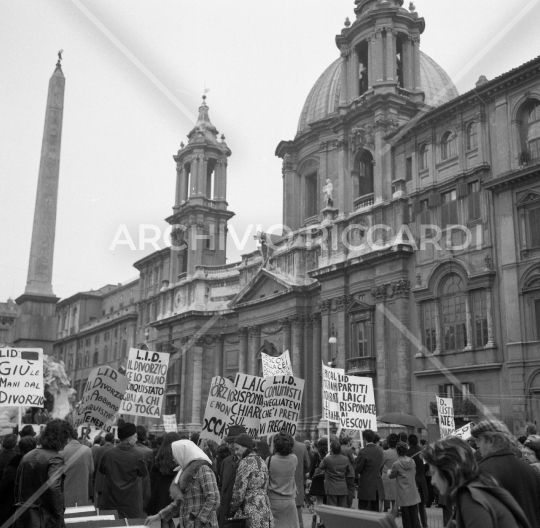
[[388, 158]]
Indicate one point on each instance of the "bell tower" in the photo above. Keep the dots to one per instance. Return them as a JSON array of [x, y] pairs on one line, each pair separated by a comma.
[[200, 212]]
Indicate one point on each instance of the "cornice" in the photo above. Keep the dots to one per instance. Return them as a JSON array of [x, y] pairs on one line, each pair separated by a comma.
[[510, 179]]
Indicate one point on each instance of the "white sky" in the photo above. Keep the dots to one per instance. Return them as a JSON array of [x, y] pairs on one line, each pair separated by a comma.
[[259, 60]]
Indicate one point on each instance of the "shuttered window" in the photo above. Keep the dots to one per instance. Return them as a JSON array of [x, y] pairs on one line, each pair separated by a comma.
[[534, 227], [449, 209]]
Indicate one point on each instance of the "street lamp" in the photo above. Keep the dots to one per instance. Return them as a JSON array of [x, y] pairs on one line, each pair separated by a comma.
[[332, 341]]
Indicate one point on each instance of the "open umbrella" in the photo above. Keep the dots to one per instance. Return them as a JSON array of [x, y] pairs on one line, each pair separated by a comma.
[[402, 419]]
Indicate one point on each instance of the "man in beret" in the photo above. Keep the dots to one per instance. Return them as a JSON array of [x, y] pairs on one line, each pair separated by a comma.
[[494, 442], [227, 474], [124, 468]]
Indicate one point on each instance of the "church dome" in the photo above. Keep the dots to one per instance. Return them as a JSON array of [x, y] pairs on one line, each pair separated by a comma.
[[323, 99]]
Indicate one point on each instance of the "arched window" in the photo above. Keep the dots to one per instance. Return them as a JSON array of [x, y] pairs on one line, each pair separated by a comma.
[[448, 145], [105, 354], [87, 358], [531, 132], [472, 136], [96, 357], [423, 157], [365, 173], [454, 315], [115, 350], [79, 360]]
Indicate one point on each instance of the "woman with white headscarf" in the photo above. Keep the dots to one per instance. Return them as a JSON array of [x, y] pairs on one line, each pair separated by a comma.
[[194, 490]]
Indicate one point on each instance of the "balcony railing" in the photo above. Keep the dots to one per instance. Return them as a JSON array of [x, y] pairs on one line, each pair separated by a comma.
[[364, 201], [361, 365]]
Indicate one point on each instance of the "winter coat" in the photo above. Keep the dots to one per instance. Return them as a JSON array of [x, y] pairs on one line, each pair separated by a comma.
[[517, 477], [40, 467], [7, 488], [368, 469], [317, 479], [389, 457], [250, 498], [5, 456], [404, 471], [124, 468], [99, 478], [488, 507], [420, 477], [227, 476], [160, 490], [302, 467], [336, 469], [196, 497], [79, 466]]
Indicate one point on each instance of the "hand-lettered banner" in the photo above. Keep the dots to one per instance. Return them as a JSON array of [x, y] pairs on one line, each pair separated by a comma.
[[356, 403], [330, 393], [147, 373], [445, 407], [221, 399], [464, 432], [282, 402], [277, 366], [102, 398], [21, 377], [169, 423], [249, 398]]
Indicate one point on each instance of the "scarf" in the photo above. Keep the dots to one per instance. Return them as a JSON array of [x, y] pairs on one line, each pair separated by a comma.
[[185, 452]]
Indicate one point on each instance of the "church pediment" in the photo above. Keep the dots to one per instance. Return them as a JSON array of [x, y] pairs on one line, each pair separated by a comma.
[[358, 306], [528, 197], [262, 286]]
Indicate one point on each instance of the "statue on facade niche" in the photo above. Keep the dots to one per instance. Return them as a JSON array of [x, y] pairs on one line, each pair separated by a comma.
[[328, 191], [265, 251]]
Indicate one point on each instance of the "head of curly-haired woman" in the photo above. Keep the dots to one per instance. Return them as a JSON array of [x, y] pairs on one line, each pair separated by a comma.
[[56, 435], [283, 443]]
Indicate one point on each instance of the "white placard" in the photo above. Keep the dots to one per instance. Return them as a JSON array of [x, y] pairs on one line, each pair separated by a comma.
[[79, 509], [248, 403], [330, 401], [217, 414], [277, 366], [169, 423], [282, 403], [464, 432], [73, 520], [102, 398], [357, 403], [445, 408], [147, 373], [21, 377]]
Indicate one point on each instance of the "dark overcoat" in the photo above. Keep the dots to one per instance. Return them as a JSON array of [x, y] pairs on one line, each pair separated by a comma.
[[227, 476], [368, 471], [420, 477]]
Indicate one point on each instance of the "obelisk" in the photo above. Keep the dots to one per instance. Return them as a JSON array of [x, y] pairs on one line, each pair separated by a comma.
[[37, 323]]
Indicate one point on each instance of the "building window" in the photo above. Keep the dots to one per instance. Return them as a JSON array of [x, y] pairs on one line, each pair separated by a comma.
[[365, 174], [423, 157], [96, 357], [115, 352], [537, 318], [361, 338], [454, 327], [424, 212], [449, 210], [87, 359], [533, 220], [96, 339], [70, 362], [429, 326], [480, 318], [116, 332], [231, 360], [474, 201], [80, 344], [107, 336], [79, 360], [111, 309], [105, 354], [311, 195], [408, 169], [472, 136], [531, 132], [448, 145], [124, 348]]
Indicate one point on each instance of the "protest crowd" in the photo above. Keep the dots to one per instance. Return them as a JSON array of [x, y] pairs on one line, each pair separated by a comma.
[[490, 480]]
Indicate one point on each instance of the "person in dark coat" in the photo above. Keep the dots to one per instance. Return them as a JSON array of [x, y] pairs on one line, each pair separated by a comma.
[[8, 451], [479, 501], [227, 474], [420, 477], [39, 483], [514, 475], [336, 468], [124, 468], [302, 467], [7, 483], [99, 478], [368, 472], [347, 451], [162, 475]]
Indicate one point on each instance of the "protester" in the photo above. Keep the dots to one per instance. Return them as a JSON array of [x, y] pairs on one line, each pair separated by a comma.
[[403, 438], [99, 478], [512, 474], [162, 475], [281, 481], [142, 445], [336, 468], [531, 453], [27, 430], [250, 498], [223, 452], [8, 451], [227, 474], [530, 429], [389, 457], [124, 467], [302, 467], [98, 440], [407, 496], [368, 471], [262, 449], [194, 489], [310, 451], [7, 482], [480, 502], [78, 470], [39, 478], [420, 477], [317, 479]]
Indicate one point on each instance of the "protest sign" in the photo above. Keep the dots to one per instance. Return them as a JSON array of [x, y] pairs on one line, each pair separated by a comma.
[[281, 408], [21, 377], [147, 373], [445, 407], [330, 393], [90, 432], [248, 402], [356, 403], [221, 398], [464, 432], [169, 423], [277, 366], [102, 398]]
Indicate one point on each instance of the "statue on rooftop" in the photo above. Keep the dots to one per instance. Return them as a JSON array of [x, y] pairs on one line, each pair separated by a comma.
[[328, 191]]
